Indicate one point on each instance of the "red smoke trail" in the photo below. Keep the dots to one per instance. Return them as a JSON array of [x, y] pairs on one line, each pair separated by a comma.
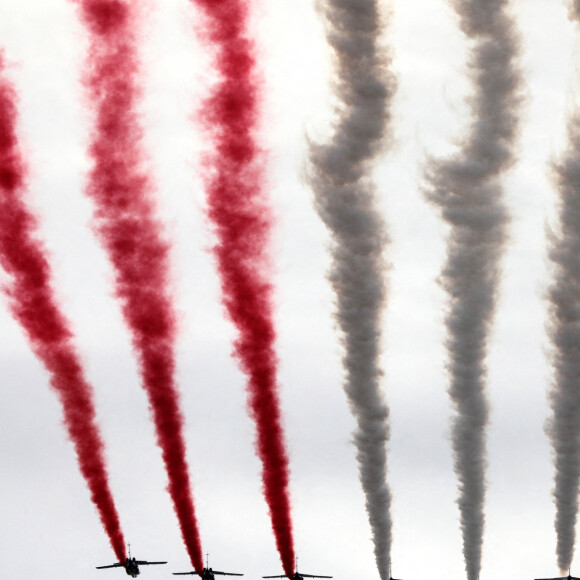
[[238, 208], [128, 228], [33, 304]]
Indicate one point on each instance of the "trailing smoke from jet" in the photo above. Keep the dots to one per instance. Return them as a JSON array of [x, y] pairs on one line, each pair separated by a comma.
[[564, 299], [238, 207], [340, 174], [132, 235], [34, 306], [468, 191], [564, 330]]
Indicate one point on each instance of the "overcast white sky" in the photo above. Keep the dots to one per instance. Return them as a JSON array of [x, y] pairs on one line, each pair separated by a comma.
[[48, 527]]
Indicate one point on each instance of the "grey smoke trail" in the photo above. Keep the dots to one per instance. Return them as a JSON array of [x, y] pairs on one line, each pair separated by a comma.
[[340, 174], [564, 330], [468, 191]]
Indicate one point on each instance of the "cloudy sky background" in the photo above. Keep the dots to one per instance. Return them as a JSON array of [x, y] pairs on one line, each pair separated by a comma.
[[49, 527]]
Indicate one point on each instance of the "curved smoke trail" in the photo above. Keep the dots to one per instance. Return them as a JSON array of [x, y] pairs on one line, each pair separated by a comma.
[[345, 197], [238, 208], [468, 191], [564, 329], [127, 226], [33, 304]]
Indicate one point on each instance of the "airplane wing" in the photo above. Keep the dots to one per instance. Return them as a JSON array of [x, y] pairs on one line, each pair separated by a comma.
[[282, 576], [183, 573], [226, 573], [144, 563], [110, 566], [313, 576]]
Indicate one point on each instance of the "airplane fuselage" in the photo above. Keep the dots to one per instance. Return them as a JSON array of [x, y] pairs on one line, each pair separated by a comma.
[[131, 568]]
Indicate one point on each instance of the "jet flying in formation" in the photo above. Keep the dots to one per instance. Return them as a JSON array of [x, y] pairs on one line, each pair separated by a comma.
[[207, 573], [131, 565], [300, 575], [569, 577]]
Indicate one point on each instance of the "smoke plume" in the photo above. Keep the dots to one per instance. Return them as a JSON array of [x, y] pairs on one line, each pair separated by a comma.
[[564, 330], [468, 191], [34, 306], [238, 208], [345, 197], [132, 235]]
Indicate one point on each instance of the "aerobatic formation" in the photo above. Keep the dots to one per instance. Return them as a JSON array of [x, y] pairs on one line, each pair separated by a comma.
[[467, 188], [131, 566]]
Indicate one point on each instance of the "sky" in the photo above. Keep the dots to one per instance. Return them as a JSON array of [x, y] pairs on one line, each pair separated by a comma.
[[49, 527]]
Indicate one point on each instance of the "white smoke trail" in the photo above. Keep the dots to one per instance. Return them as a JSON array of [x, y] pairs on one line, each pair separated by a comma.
[[345, 199], [468, 191], [564, 330]]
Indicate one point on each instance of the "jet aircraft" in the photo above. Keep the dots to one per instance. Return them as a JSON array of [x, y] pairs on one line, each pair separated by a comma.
[[299, 575], [131, 565], [207, 573], [569, 577]]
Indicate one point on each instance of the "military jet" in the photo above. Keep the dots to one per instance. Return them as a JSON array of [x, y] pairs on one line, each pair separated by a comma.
[[207, 573], [569, 577], [299, 575], [131, 565]]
